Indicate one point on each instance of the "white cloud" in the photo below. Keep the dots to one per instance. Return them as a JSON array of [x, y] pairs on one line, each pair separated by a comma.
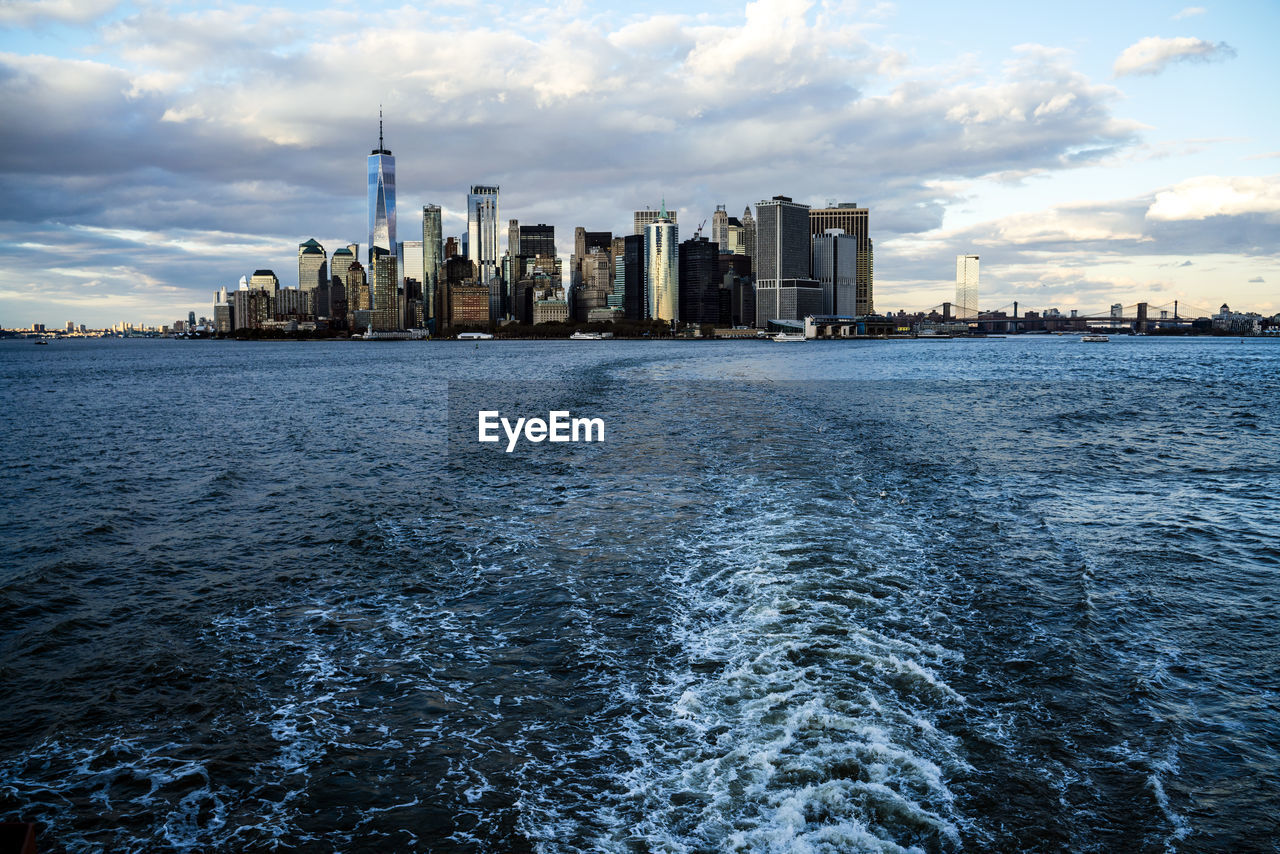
[[1213, 195], [1151, 55], [1188, 12], [27, 12]]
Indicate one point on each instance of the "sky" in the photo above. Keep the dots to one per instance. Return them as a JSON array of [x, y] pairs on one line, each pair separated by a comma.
[[1091, 153]]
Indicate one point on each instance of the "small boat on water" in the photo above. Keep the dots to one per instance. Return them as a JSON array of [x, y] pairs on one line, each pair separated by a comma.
[[787, 337], [40, 341], [1094, 339], [474, 336]]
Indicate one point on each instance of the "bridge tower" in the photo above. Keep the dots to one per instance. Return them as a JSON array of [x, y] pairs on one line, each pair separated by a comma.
[[1141, 326]]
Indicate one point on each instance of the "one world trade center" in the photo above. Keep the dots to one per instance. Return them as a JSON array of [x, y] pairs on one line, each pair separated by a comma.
[[382, 197]]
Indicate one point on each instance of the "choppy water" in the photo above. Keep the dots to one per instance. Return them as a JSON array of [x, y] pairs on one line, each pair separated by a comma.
[[1014, 595]]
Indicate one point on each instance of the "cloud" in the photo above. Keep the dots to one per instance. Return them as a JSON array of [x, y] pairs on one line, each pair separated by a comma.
[[1213, 195], [28, 12], [1151, 55], [1257, 280], [1189, 12]]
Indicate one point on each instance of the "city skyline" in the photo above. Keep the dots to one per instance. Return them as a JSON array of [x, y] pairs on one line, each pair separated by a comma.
[[175, 153]]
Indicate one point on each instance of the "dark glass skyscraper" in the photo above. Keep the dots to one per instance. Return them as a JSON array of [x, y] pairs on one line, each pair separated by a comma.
[[537, 240], [432, 261], [699, 281], [382, 197]]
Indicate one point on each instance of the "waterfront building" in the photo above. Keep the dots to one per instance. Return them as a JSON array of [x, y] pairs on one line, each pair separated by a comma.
[[835, 266], [432, 260], [246, 308], [313, 277], [720, 229], [482, 231], [470, 304], [785, 289], [597, 283], [289, 303], [356, 286], [550, 310], [382, 197], [966, 286], [641, 219], [223, 318], [338, 264], [699, 290], [628, 287], [662, 268], [385, 291], [264, 280], [855, 222]]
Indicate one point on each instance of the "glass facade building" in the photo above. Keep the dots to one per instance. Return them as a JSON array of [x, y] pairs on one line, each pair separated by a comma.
[[432, 262], [382, 198], [482, 231], [662, 268]]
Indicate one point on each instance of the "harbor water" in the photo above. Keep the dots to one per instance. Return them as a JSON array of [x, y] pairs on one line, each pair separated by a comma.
[[978, 595]]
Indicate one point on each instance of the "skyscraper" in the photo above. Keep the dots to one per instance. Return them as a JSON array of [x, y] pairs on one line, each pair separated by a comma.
[[382, 197], [699, 281], [313, 276], [432, 262], [720, 229], [513, 237], [385, 280], [966, 286], [835, 266], [749, 235], [640, 219], [535, 240], [662, 267], [482, 231], [784, 287], [856, 222]]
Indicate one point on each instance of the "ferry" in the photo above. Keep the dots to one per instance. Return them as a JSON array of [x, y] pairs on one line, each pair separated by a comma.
[[474, 336], [1090, 339], [587, 336], [786, 337]]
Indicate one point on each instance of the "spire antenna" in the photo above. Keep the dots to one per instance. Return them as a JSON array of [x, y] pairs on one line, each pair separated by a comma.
[[380, 145]]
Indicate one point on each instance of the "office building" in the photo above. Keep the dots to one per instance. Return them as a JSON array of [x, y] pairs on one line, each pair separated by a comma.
[[432, 262], [628, 278], [313, 277], [513, 237], [641, 219], [749, 236], [537, 240], [264, 280], [382, 197], [662, 268], [966, 286], [469, 304], [855, 222], [482, 231], [785, 289], [699, 290], [835, 266], [720, 229], [386, 280]]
